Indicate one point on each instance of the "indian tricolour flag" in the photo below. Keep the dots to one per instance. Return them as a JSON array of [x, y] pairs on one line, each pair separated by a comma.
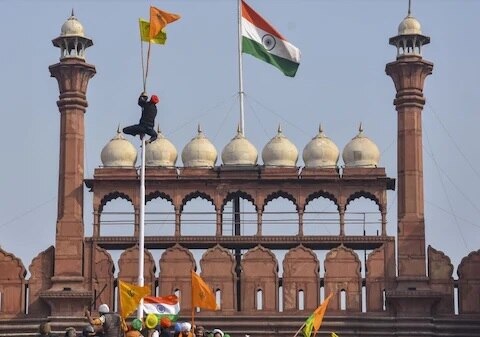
[[263, 41], [167, 306]]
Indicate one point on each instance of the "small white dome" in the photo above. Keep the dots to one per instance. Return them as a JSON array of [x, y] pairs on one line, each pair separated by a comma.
[[361, 152], [72, 27], [199, 152], [160, 152], [119, 152], [280, 151], [409, 26], [321, 151], [239, 151]]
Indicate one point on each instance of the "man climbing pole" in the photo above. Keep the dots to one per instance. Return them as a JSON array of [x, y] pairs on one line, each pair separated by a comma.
[[147, 121]]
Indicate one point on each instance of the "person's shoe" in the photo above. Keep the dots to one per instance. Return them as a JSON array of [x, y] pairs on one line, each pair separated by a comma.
[[141, 136], [152, 139]]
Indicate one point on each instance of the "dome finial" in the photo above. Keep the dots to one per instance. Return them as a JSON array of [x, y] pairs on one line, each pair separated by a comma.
[[279, 130], [320, 128], [199, 128], [118, 128], [73, 14], [409, 7], [360, 128]]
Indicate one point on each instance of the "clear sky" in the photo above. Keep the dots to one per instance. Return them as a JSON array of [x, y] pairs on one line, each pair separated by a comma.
[[341, 81]]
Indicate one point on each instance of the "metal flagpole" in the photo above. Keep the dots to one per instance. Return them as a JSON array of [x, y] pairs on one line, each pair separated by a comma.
[[240, 68], [141, 235]]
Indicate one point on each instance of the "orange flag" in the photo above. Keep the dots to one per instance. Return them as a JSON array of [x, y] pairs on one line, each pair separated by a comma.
[[202, 295], [320, 312], [130, 296], [159, 19]]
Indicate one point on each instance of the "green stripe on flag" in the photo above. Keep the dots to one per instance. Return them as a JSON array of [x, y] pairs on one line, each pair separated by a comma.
[[253, 48], [171, 317]]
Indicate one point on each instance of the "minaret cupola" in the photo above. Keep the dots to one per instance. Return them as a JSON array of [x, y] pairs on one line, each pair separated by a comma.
[[410, 39], [72, 41]]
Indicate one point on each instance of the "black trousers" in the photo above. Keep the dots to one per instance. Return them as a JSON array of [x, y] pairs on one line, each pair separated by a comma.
[[139, 129]]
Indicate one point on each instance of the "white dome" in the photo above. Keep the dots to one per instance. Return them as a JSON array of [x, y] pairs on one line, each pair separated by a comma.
[[321, 151], [409, 26], [199, 152], [119, 152], [160, 152], [72, 27], [239, 151], [361, 152], [280, 151]]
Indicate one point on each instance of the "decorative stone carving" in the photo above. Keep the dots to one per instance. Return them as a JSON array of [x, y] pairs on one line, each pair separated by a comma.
[[259, 280], [218, 271], [301, 273], [440, 272], [41, 271], [12, 285], [176, 264], [469, 284], [342, 272]]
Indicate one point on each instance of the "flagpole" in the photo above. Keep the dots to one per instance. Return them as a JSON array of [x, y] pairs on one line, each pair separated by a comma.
[[298, 331], [240, 68], [141, 234]]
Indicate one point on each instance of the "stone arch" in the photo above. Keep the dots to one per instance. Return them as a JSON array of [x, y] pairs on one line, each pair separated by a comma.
[[176, 264], [158, 194], [218, 270], [260, 272], [128, 267], [12, 285], [241, 194], [280, 194], [342, 272], [194, 195], [366, 195], [469, 284], [301, 271], [41, 272], [112, 196], [320, 194]]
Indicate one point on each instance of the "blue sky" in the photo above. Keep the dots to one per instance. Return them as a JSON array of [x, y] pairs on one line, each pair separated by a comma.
[[341, 82]]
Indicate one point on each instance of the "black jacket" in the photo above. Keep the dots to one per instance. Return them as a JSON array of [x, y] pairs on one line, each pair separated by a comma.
[[149, 111]]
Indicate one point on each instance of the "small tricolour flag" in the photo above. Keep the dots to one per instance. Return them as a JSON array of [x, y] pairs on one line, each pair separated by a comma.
[[167, 306], [264, 42]]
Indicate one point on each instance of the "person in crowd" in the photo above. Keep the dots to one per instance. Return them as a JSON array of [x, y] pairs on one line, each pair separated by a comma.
[[88, 331], [135, 329], [45, 330], [108, 324], [147, 120], [217, 333], [70, 332], [165, 324], [199, 331], [151, 322]]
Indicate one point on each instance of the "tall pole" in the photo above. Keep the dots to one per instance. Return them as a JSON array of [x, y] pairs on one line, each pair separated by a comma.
[[240, 68], [141, 234]]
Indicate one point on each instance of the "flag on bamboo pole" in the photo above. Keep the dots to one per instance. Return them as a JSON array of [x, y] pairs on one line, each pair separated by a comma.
[[264, 42], [159, 19], [167, 306], [314, 322], [202, 295], [130, 297], [160, 38]]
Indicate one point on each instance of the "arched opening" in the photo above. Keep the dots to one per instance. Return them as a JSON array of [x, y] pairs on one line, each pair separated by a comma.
[[280, 217], [363, 217], [242, 213], [159, 218], [384, 293], [343, 300], [301, 300], [117, 218], [259, 299], [198, 217], [218, 298], [321, 217]]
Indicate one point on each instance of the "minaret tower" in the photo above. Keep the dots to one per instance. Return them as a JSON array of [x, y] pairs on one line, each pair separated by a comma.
[[408, 73], [67, 294]]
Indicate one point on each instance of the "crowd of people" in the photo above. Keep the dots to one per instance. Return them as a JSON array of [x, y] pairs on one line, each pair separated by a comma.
[[109, 324]]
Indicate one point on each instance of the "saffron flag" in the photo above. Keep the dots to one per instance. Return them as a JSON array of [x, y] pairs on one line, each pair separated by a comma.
[[159, 19], [160, 38], [130, 296], [202, 295], [264, 42], [167, 306], [315, 320]]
